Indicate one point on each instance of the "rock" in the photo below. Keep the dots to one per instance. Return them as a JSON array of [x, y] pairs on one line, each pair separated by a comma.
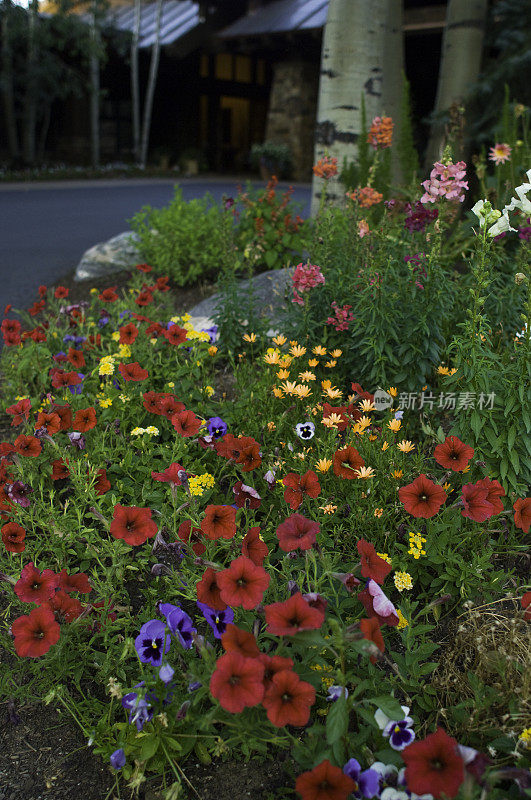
[[103, 259]]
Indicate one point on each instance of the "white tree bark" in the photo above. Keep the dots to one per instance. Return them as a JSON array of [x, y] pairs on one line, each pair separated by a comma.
[[393, 70], [460, 63], [152, 80], [352, 63], [135, 89]]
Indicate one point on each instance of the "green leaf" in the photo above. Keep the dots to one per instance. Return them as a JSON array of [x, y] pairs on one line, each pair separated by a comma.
[[390, 707], [337, 721], [150, 745], [270, 258]]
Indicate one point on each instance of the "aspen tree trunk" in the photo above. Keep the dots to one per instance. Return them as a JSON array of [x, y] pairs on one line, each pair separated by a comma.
[[7, 84], [462, 48], [135, 89], [94, 89], [152, 80], [352, 62], [30, 99], [393, 69]]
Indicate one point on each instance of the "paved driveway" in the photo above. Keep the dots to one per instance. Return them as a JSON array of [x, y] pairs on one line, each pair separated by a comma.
[[45, 227]]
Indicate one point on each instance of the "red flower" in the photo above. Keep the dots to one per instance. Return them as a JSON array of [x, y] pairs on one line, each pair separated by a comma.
[[154, 330], [249, 457], [346, 414], [299, 485], [11, 339], [175, 335], [168, 406], [61, 292], [132, 524], [144, 298], [219, 522], [324, 782], [494, 491], [254, 547], [186, 534], [36, 633], [237, 682], [36, 307], [372, 566], [27, 446], [361, 393], [65, 608], [13, 536], [243, 583], [20, 412], [297, 532], [288, 700], [34, 586], [77, 582], [434, 765], [10, 327], [245, 496], [76, 358], [522, 513], [128, 333], [102, 484], [476, 505], [65, 415], [170, 474], [144, 267], [62, 379], [85, 419], [346, 462], [371, 631], [208, 590], [48, 420], [272, 665], [108, 295], [291, 616], [525, 601], [453, 454], [59, 470], [386, 614], [229, 446], [235, 640], [162, 283], [133, 372], [186, 423], [422, 498], [151, 402]]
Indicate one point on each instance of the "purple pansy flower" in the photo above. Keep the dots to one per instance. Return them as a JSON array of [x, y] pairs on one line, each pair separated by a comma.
[[77, 440], [139, 709], [367, 782], [400, 733], [179, 623], [335, 692], [166, 673], [218, 620], [216, 427], [152, 642], [194, 685], [117, 759], [212, 333]]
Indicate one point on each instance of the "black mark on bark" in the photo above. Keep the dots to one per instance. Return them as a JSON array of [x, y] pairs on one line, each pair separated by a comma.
[[326, 134]]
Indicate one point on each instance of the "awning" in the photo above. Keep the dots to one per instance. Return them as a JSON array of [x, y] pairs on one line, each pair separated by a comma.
[[279, 17], [178, 18]]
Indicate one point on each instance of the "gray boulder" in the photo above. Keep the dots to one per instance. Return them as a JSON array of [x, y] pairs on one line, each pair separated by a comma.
[[118, 253]]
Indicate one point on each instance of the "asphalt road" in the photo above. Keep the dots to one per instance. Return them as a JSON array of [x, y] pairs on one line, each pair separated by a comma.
[[46, 227]]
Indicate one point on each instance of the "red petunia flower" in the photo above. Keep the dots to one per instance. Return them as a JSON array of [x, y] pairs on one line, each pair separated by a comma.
[[219, 522], [272, 665], [522, 513], [85, 419], [128, 333], [133, 372], [144, 298], [108, 295], [291, 616], [64, 608], [526, 603], [288, 700], [170, 474], [132, 524], [372, 566], [361, 393], [324, 782], [475, 503], [77, 582], [237, 682], [243, 583], [297, 532], [208, 590], [59, 470], [186, 423], [235, 640], [10, 327], [37, 306], [168, 406], [434, 765], [154, 330], [187, 534], [254, 547], [422, 498], [346, 414], [65, 415], [62, 379], [175, 335], [346, 462], [151, 402], [161, 284], [13, 536], [61, 292], [249, 457], [42, 290], [378, 605], [36, 633], [48, 420], [371, 631], [299, 485], [143, 267], [11, 339], [34, 586], [229, 446], [76, 358], [494, 491], [27, 446], [20, 412], [453, 454], [102, 484]]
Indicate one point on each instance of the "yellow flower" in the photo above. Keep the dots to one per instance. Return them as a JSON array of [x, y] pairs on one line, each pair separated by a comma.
[[397, 473], [282, 374], [364, 472], [330, 364], [307, 376], [525, 736], [289, 387], [366, 406], [332, 421], [405, 446], [333, 393], [115, 336], [94, 290], [302, 390], [293, 342], [443, 370], [279, 340], [402, 621], [151, 429], [285, 362], [323, 465], [393, 391], [272, 358], [105, 402], [271, 426], [123, 398], [385, 557], [385, 446], [336, 353], [403, 581], [124, 351], [106, 366], [312, 362], [378, 512], [170, 384], [297, 350], [319, 350], [138, 431], [330, 508], [212, 350], [372, 437], [278, 392], [364, 422], [326, 384], [394, 425], [453, 371], [447, 486], [209, 391], [249, 337]]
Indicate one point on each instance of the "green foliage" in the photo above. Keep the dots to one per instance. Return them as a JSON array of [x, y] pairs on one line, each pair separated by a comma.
[[407, 153]]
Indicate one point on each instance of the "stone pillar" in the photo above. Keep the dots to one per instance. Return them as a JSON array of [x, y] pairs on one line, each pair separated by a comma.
[[292, 112]]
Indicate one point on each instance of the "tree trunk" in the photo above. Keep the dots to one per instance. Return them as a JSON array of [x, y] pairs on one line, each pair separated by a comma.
[[135, 89], [7, 85], [30, 98], [460, 64], [152, 80], [94, 89], [393, 69], [352, 62]]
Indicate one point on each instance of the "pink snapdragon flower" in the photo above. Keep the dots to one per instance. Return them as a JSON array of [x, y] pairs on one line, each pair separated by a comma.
[[305, 277], [343, 317], [446, 180]]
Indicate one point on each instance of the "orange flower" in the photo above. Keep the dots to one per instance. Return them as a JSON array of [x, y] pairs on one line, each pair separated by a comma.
[[366, 196], [325, 168], [381, 133]]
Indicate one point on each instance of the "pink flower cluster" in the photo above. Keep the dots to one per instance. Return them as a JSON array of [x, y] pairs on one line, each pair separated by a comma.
[[343, 317], [446, 180], [305, 277]]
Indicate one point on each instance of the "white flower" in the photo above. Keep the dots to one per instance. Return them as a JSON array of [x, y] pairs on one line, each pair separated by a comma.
[[305, 430], [502, 225], [523, 202], [382, 720]]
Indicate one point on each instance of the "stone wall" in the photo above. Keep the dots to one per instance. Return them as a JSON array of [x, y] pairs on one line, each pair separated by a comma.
[[293, 111]]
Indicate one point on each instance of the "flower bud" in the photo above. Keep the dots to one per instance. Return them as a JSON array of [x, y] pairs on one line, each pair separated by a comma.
[[520, 278]]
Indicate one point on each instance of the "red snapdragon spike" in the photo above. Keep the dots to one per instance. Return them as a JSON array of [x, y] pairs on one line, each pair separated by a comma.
[[85, 419], [219, 522], [61, 292], [60, 470], [422, 498], [288, 700], [133, 372], [20, 412], [346, 461], [65, 415], [13, 536], [36, 633], [128, 333], [297, 532], [453, 454], [245, 496], [34, 586], [254, 547], [236, 640], [208, 591], [186, 534], [272, 665], [494, 491], [291, 616], [77, 582], [434, 765], [64, 608], [170, 474], [48, 420], [175, 335], [372, 566], [186, 423], [27, 446], [324, 782], [108, 295], [102, 484], [522, 513], [237, 682], [243, 583], [371, 631], [132, 524], [476, 505], [76, 358]]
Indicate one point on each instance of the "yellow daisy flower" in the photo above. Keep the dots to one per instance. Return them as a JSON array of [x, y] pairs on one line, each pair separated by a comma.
[[272, 358], [393, 391], [249, 337], [366, 406], [394, 425], [302, 390], [323, 465], [312, 362], [307, 376], [405, 446], [330, 364], [277, 391], [279, 340], [336, 353], [319, 350], [364, 472], [282, 374], [297, 350], [289, 387]]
